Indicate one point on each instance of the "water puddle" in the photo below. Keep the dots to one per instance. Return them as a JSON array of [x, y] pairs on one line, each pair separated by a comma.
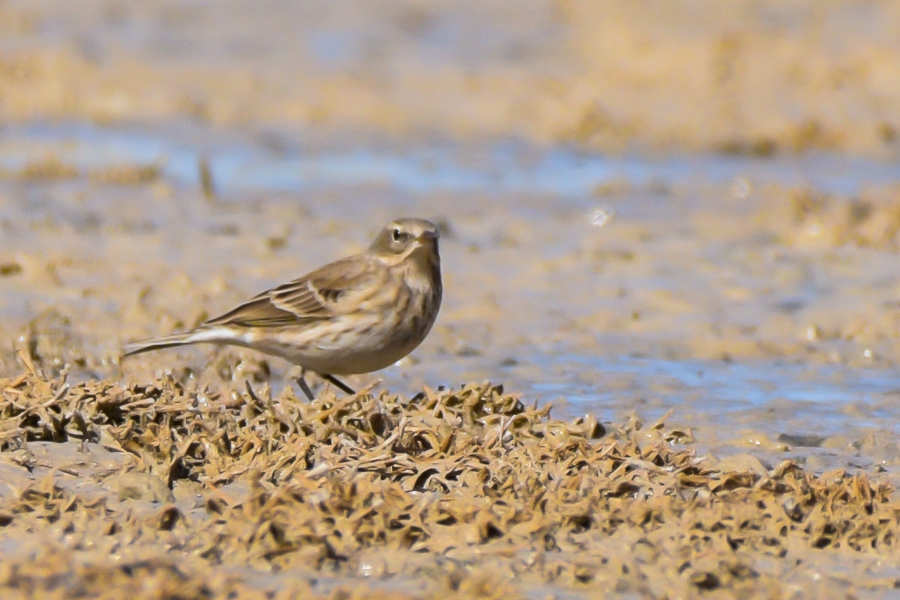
[[765, 395], [242, 165]]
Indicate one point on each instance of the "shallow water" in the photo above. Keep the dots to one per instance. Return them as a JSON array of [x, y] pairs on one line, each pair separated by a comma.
[[271, 163]]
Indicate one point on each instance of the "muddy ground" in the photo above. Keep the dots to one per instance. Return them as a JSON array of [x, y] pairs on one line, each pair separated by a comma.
[[670, 231], [169, 491]]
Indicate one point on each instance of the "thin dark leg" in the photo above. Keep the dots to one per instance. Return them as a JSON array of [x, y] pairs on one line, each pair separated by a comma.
[[301, 381], [339, 384]]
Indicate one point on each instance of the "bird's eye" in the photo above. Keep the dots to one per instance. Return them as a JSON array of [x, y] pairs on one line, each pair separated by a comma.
[[396, 234]]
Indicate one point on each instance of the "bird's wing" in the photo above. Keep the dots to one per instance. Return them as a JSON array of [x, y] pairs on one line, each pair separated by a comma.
[[313, 297]]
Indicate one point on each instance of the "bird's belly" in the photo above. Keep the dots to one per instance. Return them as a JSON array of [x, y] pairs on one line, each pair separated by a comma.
[[344, 352]]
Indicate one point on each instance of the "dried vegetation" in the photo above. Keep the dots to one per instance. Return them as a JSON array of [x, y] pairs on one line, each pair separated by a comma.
[[160, 491]]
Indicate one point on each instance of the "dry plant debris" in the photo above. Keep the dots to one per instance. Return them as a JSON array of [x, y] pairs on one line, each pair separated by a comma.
[[162, 491]]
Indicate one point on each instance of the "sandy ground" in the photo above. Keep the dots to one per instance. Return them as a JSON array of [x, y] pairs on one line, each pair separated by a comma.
[[646, 207]]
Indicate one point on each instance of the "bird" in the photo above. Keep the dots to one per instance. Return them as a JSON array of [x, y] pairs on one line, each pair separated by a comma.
[[356, 315]]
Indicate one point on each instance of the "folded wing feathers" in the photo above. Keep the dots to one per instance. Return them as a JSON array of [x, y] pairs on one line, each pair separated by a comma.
[[309, 298]]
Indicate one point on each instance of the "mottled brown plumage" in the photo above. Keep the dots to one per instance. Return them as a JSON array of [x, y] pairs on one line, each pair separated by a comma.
[[355, 315]]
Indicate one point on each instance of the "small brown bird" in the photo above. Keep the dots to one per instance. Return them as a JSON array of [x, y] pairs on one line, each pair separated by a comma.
[[356, 315]]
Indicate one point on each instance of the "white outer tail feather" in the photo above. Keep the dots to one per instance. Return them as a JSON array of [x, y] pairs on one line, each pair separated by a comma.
[[198, 336]]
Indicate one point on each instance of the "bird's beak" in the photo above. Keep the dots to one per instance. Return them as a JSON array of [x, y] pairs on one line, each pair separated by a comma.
[[426, 236]]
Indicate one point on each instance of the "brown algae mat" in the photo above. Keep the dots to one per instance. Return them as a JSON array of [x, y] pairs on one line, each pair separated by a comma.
[[158, 490]]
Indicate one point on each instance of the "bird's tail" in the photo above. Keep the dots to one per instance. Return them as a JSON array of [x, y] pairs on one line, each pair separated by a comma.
[[169, 341], [207, 334]]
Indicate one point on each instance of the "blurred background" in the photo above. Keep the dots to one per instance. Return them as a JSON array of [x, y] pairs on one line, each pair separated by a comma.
[[746, 77], [647, 206]]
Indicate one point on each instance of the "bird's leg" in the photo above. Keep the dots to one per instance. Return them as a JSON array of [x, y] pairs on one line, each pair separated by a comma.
[[301, 381], [339, 384]]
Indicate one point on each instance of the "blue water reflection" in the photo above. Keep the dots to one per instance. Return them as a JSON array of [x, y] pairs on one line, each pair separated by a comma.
[[239, 165]]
